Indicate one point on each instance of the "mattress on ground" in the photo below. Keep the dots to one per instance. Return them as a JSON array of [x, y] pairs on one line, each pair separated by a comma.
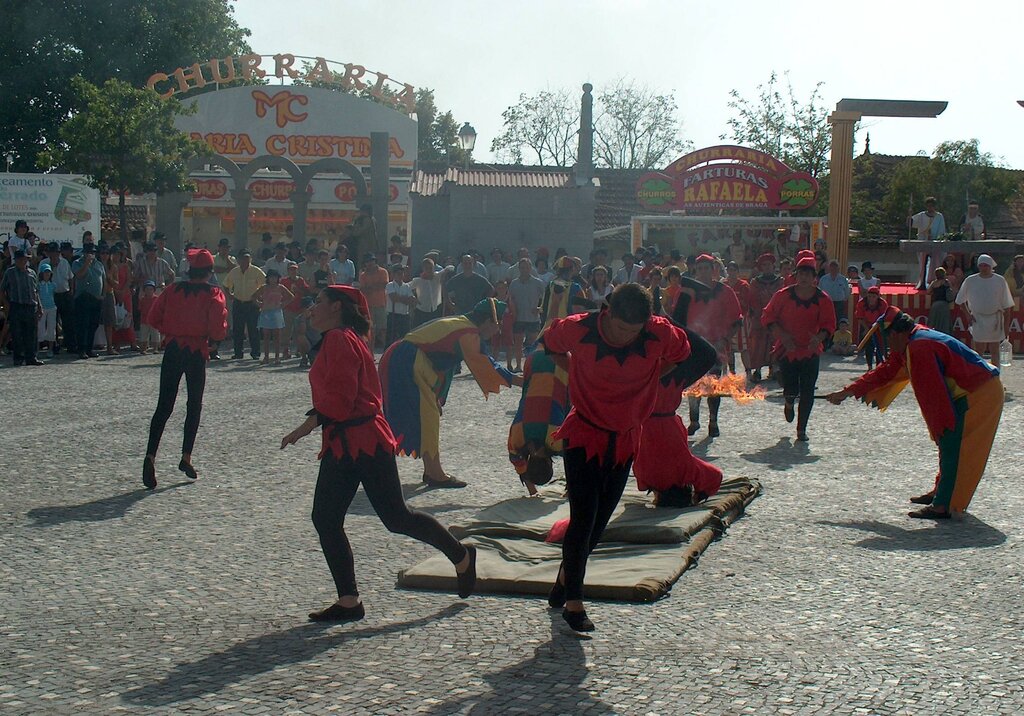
[[635, 520], [518, 561]]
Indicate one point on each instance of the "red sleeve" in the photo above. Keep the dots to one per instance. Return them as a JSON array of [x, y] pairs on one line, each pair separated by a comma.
[[886, 371], [929, 381], [859, 310], [335, 389], [773, 311], [157, 312], [677, 345], [826, 314], [559, 336], [733, 307], [218, 316]]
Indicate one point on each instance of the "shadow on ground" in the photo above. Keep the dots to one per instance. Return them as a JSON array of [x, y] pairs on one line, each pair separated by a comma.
[[966, 533], [252, 657], [782, 455], [557, 672], [105, 508]]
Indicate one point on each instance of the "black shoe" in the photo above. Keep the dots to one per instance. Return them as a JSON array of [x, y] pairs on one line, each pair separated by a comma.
[[83, 356], [713, 430], [92, 354], [757, 376], [149, 473], [338, 613], [556, 597], [215, 356], [34, 361], [190, 472], [450, 483], [802, 437], [237, 356], [578, 621], [467, 579], [255, 356], [693, 428], [788, 412]]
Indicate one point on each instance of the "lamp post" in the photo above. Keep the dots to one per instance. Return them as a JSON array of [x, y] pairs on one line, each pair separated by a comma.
[[10, 161], [848, 112], [467, 140]]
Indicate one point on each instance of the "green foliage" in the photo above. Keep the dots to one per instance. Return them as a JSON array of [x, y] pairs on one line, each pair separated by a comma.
[[956, 172], [794, 130], [125, 140], [50, 41], [634, 128]]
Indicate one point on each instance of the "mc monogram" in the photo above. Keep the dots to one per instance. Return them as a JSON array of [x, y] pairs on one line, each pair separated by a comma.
[[282, 103]]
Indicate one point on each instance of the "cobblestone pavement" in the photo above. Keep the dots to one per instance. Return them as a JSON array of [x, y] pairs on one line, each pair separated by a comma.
[[824, 599]]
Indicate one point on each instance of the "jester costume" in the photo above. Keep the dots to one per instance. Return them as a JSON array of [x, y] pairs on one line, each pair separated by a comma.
[[961, 399], [664, 462], [190, 314], [416, 374], [542, 409]]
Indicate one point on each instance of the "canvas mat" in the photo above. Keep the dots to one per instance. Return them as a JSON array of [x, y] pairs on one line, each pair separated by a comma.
[[643, 552]]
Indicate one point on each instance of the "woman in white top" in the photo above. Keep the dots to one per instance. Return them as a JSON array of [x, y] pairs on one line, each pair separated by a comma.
[[543, 272], [427, 287], [600, 287]]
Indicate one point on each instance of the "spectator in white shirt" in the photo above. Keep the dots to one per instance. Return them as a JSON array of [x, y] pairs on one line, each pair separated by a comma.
[[279, 261], [428, 289], [629, 273], [867, 277], [342, 266], [400, 300]]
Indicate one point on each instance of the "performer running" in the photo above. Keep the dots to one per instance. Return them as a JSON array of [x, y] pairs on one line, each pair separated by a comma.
[[664, 462], [358, 447], [416, 374], [617, 358], [714, 313], [762, 287], [800, 318], [960, 396], [189, 314]]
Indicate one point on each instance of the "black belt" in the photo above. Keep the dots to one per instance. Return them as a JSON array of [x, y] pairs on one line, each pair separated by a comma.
[[338, 427], [609, 454], [663, 415]]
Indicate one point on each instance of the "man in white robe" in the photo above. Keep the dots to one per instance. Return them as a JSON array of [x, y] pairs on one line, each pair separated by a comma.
[[990, 304]]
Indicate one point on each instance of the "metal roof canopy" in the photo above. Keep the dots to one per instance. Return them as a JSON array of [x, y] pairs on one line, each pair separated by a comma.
[[891, 107], [726, 220]]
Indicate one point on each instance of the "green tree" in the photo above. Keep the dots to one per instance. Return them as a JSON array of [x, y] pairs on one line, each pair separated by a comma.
[[636, 128], [125, 140], [49, 41], [781, 124], [541, 126], [956, 172]]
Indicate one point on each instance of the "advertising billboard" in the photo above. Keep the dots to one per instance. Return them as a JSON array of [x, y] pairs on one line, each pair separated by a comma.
[[57, 207]]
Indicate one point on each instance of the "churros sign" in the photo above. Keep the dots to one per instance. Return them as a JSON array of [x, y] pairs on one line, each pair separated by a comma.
[[727, 177]]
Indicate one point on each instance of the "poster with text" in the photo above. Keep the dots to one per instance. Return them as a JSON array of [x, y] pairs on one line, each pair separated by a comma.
[[57, 207]]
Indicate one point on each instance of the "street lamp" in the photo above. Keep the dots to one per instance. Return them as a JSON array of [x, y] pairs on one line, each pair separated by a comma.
[[467, 140], [848, 113], [10, 161]]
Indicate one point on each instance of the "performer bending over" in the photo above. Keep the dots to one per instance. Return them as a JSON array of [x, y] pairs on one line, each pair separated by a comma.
[[714, 313], [358, 447], [664, 462], [417, 371], [616, 358], [189, 314], [800, 318], [960, 396]]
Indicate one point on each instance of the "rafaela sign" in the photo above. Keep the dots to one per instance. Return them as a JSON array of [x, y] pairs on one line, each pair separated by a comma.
[[727, 177]]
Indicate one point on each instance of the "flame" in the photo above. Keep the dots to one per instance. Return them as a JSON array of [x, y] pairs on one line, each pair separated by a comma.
[[730, 385]]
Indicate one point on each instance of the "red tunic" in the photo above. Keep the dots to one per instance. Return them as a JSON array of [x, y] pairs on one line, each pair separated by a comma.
[[191, 314], [870, 315], [800, 319], [347, 397], [742, 290], [612, 388], [713, 314], [761, 290]]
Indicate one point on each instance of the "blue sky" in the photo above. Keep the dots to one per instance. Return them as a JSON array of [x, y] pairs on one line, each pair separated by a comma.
[[479, 56]]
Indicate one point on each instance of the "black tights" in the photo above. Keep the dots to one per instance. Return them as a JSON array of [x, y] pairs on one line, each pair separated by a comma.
[[799, 378], [594, 492], [336, 485], [176, 363]]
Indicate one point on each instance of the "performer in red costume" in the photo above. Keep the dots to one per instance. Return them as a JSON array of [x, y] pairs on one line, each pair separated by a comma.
[[616, 357], [358, 447], [189, 314], [800, 318], [664, 462], [738, 343], [960, 396], [868, 310], [762, 287], [713, 312]]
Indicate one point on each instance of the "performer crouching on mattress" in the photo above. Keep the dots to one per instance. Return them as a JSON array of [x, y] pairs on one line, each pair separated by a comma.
[[960, 396], [358, 447], [664, 463], [417, 371], [617, 357]]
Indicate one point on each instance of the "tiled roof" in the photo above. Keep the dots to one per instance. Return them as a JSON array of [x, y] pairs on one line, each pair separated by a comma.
[[431, 181], [138, 219], [616, 198]]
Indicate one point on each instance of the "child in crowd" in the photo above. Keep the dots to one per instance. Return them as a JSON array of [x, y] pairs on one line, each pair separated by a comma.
[[852, 275], [867, 280], [48, 319], [400, 300], [147, 334], [306, 337], [842, 340], [271, 297]]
